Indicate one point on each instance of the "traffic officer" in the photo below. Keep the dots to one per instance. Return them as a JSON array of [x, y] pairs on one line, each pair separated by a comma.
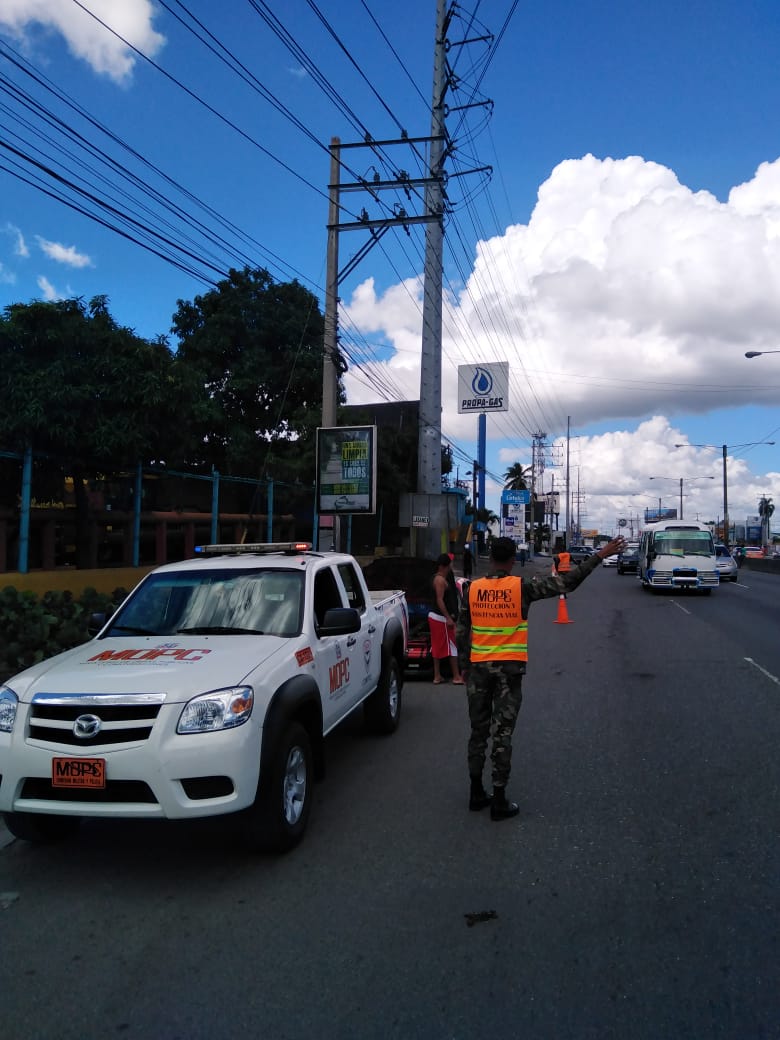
[[562, 562], [492, 641]]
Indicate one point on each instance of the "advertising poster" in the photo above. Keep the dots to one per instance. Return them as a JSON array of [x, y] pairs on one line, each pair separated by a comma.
[[346, 469]]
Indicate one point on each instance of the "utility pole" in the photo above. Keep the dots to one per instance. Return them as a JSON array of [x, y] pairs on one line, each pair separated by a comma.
[[537, 463], [330, 369], [330, 373], [568, 490], [333, 363], [725, 499], [429, 484], [429, 421]]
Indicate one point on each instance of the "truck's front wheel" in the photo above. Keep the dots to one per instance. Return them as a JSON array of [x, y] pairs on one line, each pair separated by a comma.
[[277, 820], [38, 827]]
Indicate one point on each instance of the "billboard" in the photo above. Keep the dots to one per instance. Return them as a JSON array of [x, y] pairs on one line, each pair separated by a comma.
[[346, 469], [653, 515], [483, 388], [753, 531], [513, 516]]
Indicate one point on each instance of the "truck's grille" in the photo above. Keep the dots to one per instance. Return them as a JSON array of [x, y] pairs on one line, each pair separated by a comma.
[[116, 791], [686, 576], [112, 719]]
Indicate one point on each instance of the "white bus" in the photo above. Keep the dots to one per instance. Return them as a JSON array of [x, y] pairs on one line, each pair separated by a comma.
[[677, 554]]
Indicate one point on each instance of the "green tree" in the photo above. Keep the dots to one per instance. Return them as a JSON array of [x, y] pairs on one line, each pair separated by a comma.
[[517, 477], [765, 510], [85, 391], [256, 346]]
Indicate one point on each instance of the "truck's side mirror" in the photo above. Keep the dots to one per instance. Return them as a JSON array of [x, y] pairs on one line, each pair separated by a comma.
[[96, 622], [339, 621]]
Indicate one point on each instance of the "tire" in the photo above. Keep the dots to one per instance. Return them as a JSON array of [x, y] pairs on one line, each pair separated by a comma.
[[40, 828], [382, 710], [277, 820]]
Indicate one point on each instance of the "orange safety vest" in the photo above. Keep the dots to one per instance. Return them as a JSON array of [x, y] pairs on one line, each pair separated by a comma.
[[564, 562], [498, 630]]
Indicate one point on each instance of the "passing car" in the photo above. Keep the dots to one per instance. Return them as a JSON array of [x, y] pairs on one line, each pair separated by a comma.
[[725, 563], [579, 553], [628, 560], [610, 561]]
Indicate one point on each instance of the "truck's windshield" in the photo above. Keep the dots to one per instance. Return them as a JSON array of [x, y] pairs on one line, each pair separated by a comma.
[[219, 602], [683, 543]]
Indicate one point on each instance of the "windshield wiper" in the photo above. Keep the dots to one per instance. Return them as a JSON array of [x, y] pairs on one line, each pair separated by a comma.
[[219, 630]]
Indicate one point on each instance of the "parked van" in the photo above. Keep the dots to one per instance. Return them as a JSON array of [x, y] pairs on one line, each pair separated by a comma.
[[678, 554]]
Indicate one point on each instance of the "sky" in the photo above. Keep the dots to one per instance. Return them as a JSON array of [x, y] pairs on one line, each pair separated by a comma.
[[613, 227]]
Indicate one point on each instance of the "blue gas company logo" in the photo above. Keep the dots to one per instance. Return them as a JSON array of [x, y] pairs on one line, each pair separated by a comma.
[[482, 383]]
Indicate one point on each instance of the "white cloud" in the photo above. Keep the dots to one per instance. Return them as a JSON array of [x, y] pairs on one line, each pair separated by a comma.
[[627, 297], [625, 294], [20, 246], [7, 277], [63, 254], [86, 38], [48, 290]]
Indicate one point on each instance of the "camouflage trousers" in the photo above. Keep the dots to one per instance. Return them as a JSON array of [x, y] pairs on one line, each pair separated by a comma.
[[494, 694]]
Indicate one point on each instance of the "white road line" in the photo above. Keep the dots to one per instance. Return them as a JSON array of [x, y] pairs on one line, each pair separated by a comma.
[[680, 606], [763, 671]]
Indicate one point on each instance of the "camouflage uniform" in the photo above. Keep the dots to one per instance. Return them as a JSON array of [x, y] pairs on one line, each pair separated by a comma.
[[494, 688]]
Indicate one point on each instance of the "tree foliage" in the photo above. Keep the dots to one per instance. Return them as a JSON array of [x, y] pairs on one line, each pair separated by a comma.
[[257, 348], [77, 385], [86, 392], [517, 477], [766, 509]]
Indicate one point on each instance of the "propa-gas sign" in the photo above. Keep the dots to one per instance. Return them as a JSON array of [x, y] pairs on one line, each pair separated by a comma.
[[483, 388]]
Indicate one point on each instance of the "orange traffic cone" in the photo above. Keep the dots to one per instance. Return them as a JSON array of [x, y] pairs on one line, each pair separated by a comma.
[[563, 614]]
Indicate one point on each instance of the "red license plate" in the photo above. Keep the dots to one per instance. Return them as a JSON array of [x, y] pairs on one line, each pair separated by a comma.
[[78, 772]]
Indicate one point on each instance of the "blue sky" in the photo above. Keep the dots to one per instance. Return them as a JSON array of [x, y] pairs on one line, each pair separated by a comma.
[[622, 258]]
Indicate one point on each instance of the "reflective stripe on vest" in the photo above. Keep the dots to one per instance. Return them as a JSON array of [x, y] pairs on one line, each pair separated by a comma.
[[498, 631], [564, 562]]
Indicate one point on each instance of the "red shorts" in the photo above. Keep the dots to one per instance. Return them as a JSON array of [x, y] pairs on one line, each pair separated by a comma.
[[442, 637]]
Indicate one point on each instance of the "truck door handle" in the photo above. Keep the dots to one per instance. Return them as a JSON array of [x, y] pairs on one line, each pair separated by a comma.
[[371, 629], [351, 641]]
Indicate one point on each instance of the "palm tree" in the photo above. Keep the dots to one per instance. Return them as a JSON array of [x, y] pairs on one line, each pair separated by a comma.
[[765, 510], [517, 477]]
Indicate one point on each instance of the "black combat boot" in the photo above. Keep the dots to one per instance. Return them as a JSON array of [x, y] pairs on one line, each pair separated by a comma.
[[479, 798], [500, 808]]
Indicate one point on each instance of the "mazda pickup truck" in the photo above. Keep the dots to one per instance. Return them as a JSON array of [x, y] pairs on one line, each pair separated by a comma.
[[208, 692]]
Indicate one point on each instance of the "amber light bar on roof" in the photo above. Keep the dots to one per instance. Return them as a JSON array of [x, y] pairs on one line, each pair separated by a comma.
[[261, 548]]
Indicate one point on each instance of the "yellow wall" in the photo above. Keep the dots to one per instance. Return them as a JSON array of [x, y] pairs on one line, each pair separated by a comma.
[[105, 579]]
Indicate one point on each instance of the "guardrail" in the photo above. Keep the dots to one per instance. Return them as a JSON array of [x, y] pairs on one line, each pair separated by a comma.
[[765, 564]]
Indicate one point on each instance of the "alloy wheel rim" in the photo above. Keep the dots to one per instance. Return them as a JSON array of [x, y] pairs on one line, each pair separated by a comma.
[[294, 793]]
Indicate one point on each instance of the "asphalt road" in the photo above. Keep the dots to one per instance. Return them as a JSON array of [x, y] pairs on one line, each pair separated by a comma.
[[635, 897]]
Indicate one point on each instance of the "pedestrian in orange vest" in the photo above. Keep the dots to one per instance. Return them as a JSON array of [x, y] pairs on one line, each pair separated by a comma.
[[492, 640]]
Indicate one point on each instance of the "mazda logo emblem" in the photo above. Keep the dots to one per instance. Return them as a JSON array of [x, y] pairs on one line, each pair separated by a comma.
[[86, 726]]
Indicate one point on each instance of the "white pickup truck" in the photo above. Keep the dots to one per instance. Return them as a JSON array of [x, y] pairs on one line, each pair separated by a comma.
[[208, 692]]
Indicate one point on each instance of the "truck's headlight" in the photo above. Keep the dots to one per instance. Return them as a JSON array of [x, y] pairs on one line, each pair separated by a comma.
[[8, 705], [220, 709]]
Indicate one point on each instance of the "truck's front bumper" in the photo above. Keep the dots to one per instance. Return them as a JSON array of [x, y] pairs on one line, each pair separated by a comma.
[[166, 776]]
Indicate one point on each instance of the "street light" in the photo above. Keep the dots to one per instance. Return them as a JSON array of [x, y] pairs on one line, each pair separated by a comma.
[[706, 477], [758, 353], [725, 448]]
